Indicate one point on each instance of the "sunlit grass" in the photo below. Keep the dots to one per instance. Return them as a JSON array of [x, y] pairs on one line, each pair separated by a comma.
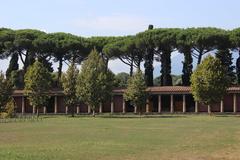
[[87, 138]]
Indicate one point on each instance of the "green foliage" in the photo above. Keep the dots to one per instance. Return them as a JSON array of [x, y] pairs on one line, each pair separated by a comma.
[[5, 91], [235, 42], [13, 65], [145, 42], [9, 108], [209, 82], [28, 44], [7, 37], [136, 90], [127, 50], [17, 79], [94, 84], [37, 84], [24, 45], [204, 40], [235, 38], [165, 42], [69, 83], [121, 79], [61, 46], [176, 80], [225, 57], [185, 46]]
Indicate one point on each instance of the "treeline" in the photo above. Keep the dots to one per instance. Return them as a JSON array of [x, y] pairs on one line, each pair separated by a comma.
[[145, 47]]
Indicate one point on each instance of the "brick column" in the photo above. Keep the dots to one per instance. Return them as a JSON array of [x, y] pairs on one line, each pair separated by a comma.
[[123, 106], [66, 109], [159, 103], [147, 105], [184, 103], [222, 106], [78, 109], [44, 110], [171, 106], [34, 109], [196, 106], [55, 105], [23, 104], [135, 109], [209, 109], [100, 107], [235, 103], [112, 106]]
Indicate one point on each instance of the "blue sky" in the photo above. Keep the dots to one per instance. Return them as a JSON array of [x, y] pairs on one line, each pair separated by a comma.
[[116, 17]]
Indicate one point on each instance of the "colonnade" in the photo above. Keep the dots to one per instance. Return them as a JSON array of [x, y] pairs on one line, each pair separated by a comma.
[[78, 109]]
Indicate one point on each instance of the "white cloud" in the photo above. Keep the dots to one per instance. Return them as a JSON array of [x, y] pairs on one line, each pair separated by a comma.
[[114, 24]]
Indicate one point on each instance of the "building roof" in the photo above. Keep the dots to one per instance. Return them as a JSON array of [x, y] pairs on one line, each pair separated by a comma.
[[150, 90], [174, 90]]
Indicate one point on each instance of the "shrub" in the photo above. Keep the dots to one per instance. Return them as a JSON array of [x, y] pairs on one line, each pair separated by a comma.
[[9, 109]]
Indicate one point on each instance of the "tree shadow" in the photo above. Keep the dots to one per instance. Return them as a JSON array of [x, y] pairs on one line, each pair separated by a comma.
[[142, 116]]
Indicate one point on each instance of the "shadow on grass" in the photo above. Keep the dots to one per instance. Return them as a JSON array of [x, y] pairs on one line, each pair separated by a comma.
[[141, 116], [229, 115]]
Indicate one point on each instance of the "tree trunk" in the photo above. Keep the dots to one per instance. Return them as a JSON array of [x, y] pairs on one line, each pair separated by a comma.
[[93, 113], [139, 66], [25, 63], [131, 69], [106, 63], [200, 57], [60, 70]]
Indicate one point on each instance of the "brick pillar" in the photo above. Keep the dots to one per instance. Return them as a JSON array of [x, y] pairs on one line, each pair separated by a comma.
[[23, 104], [147, 105], [78, 109], [44, 110], [222, 107], [171, 106], [235, 103], [123, 106], [135, 109], [100, 108], [159, 103], [66, 109], [112, 106], [184, 103], [34, 109], [196, 106], [209, 109], [55, 105]]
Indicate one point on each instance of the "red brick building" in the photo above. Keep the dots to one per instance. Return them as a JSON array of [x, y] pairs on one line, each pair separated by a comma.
[[161, 99]]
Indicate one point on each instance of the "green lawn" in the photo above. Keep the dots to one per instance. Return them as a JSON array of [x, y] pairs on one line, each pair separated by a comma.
[[175, 137]]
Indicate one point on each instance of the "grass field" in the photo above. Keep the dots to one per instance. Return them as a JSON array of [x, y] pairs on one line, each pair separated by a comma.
[[174, 138]]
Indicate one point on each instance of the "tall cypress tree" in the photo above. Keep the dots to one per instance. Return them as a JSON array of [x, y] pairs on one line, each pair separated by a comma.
[[166, 78], [13, 65], [185, 46], [225, 56], [148, 65], [187, 66]]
